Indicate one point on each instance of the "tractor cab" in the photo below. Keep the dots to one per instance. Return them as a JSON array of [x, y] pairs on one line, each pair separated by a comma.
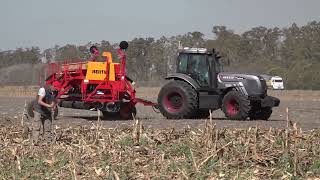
[[201, 65]]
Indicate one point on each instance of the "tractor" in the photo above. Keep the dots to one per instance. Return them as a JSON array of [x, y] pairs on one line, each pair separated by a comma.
[[200, 84], [92, 85]]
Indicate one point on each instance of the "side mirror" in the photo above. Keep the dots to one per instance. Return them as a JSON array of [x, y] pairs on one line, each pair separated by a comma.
[[218, 57], [124, 45], [215, 53]]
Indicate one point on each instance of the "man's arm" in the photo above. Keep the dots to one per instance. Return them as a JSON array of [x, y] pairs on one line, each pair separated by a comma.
[[41, 102], [42, 94]]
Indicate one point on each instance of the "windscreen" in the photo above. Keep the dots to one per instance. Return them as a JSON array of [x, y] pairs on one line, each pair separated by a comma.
[[198, 69]]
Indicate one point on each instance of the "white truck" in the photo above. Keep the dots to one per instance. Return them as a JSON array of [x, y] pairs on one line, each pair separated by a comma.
[[274, 82]]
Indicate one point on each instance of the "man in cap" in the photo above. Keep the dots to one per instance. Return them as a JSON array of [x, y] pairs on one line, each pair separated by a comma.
[[95, 55]]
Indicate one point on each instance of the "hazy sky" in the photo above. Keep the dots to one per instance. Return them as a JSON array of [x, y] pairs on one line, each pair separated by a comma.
[[44, 23]]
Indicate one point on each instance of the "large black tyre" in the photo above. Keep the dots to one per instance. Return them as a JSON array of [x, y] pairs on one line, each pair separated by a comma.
[[30, 109], [236, 106], [110, 115], [261, 114], [178, 100], [121, 114]]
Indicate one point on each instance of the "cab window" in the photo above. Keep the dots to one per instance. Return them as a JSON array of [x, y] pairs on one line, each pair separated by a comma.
[[183, 63]]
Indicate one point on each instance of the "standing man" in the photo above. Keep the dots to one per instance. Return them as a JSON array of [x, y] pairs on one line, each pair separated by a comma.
[[43, 108]]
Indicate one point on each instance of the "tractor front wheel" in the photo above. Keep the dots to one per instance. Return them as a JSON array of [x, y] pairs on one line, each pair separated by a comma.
[[236, 106]]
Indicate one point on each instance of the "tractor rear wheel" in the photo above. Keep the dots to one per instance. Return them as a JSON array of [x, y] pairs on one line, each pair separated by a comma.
[[30, 109], [177, 100], [236, 106], [261, 114]]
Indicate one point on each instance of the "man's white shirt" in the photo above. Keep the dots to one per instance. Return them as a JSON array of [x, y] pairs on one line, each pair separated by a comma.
[[42, 92]]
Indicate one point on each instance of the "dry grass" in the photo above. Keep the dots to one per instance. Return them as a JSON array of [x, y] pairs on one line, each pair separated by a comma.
[[137, 153], [19, 91]]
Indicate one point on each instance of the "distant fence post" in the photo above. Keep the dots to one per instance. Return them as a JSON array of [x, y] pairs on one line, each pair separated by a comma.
[[287, 113]]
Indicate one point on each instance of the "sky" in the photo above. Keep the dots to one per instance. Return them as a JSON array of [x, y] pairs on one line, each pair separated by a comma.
[[45, 23]]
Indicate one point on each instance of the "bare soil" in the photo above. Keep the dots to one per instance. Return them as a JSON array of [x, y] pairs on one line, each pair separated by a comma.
[[304, 109]]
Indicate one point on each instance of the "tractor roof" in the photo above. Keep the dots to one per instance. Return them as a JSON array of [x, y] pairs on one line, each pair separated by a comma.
[[194, 50]]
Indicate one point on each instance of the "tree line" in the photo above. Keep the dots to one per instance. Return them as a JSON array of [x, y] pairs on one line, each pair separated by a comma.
[[291, 52]]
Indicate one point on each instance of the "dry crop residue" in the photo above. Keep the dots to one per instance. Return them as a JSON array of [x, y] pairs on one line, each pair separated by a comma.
[[138, 153]]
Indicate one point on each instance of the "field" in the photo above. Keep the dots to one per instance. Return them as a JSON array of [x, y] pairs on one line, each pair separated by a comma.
[[153, 147], [302, 110]]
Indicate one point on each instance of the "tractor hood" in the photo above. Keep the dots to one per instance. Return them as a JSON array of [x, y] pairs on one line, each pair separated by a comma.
[[232, 77], [249, 84]]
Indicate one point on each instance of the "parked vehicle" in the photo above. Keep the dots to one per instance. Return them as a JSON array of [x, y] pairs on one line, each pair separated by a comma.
[[276, 83]]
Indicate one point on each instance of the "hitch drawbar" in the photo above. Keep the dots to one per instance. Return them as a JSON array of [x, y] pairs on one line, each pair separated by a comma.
[[155, 106], [146, 102]]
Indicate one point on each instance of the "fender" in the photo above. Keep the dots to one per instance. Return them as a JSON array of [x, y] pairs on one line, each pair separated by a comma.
[[184, 77]]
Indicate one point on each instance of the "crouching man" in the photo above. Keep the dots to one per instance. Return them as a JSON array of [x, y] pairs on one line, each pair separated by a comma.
[[43, 109]]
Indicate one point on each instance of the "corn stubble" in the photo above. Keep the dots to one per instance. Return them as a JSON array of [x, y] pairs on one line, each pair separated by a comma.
[[137, 153]]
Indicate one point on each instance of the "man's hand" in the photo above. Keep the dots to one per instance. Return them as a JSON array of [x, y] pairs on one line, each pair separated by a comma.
[[52, 105], [42, 103]]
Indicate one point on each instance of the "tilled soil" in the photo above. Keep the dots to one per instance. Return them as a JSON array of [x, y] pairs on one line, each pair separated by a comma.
[[303, 111]]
